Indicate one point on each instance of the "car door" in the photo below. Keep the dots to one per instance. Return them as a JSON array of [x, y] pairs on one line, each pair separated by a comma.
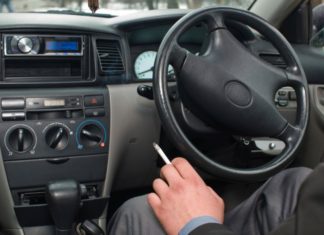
[[311, 55]]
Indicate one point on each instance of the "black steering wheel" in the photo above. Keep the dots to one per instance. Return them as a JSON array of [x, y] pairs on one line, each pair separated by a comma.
[[230, 87]]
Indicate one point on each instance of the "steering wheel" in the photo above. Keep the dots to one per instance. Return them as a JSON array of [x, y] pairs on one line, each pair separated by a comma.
[[230, 87]]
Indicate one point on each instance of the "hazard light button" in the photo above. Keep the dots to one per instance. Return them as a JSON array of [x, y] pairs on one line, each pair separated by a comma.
[[93, 100]]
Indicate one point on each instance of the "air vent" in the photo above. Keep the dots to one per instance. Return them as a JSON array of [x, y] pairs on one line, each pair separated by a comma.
[[110, 57], [275, 60]]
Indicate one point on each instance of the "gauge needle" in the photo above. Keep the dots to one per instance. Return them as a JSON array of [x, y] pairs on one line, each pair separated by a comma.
[[146, 71]]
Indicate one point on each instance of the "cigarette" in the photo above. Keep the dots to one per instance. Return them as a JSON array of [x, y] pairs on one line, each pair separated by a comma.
[[161, 153]]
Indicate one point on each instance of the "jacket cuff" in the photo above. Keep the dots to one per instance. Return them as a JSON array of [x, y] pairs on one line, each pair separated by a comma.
[[197, 222]]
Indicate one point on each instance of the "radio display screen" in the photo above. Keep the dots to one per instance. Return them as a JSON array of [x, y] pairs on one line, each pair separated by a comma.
[[54, 102], [62, 46]]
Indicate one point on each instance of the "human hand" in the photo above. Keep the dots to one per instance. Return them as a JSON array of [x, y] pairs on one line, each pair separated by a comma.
[[182, 196]]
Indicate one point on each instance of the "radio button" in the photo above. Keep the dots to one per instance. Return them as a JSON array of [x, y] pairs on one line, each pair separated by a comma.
[[95, 112], [18, 116], [13, 103], [93, 100]]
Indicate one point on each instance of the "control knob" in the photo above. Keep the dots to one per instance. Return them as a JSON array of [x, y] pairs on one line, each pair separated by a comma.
[[25, 45], [57, 137], [91, 135], [21, 139]]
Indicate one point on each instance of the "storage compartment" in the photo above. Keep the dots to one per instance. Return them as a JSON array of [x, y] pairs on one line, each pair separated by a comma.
[[45, 68], [91, 209], [83, 169], [57, 114], [36, 196], [32, 197]]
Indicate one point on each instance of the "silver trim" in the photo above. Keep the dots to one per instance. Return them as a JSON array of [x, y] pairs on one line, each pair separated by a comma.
[[43, 35]]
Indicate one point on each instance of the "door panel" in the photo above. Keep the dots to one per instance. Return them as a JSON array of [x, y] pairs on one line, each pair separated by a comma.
[[312, 150]]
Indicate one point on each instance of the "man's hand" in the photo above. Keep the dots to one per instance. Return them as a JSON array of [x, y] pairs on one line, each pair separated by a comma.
[[181, 196]]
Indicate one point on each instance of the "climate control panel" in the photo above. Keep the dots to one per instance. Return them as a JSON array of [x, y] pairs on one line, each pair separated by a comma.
[[55, 126]]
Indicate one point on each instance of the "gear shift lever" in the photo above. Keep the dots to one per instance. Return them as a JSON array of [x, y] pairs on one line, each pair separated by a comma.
[[64, 200]]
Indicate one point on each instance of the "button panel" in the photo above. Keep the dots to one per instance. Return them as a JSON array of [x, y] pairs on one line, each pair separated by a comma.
[[286, 98], [54, 102]]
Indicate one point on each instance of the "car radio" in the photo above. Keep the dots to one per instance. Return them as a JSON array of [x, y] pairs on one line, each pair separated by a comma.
[[43, 58], [43, 45]]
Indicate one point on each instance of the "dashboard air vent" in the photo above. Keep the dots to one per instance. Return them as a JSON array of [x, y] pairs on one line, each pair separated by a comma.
[[110, 57], [275, 60]]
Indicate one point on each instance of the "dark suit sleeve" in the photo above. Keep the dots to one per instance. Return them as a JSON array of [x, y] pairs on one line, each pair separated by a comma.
[[308, 219], [212, 229], [310, 208]]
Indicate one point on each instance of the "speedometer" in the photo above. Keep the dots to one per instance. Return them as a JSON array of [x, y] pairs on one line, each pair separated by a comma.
[[144, 65]]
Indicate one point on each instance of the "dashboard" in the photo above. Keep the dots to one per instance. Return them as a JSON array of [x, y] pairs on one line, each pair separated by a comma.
[[110, 51], [69, 105], [144, 44]]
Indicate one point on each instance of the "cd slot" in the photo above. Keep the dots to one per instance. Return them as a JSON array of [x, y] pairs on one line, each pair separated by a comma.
[[57, 114]]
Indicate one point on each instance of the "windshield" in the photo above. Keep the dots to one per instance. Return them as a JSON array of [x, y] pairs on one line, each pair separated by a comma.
[[112, 7]]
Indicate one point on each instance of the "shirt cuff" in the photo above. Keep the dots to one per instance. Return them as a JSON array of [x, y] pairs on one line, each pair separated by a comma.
[[196, 222]]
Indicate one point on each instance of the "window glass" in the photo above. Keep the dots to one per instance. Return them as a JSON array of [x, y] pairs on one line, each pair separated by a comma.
[[317, 39], [112, 7]]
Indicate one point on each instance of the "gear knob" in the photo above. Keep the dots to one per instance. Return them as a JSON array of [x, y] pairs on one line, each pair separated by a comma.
[[64, 201], [91, 228]]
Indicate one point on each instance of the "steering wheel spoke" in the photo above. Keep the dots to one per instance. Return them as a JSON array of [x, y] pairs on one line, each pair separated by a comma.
[[227, 52], [289, 134], [178, 56], [215, 20], [294, 79]]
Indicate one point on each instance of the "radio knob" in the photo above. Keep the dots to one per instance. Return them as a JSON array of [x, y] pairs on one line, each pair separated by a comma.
[[25, 45], [21, 140], [57, 137], [91, 135]]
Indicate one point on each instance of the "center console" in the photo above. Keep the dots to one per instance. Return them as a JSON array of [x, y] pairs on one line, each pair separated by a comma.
[[54, 123], [54, 134]]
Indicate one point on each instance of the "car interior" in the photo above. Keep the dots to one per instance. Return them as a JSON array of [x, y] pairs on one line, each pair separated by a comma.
[[238, 92]]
